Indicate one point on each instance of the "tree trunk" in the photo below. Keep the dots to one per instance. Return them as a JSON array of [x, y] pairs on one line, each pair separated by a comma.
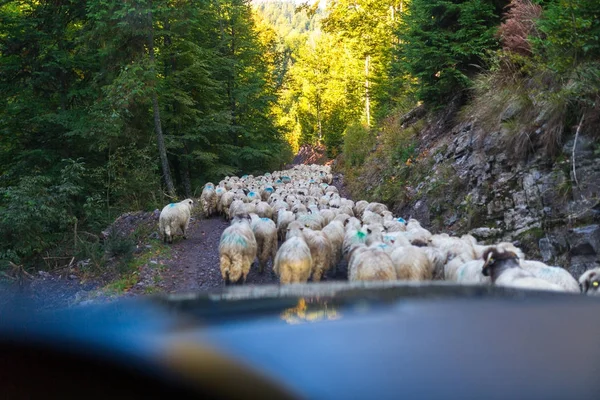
[[185, 174], [367, 97], [162, 150]]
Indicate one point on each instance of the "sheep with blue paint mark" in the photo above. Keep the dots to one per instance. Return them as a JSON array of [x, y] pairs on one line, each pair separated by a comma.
[[556, 275], [237, 250], [370, 263], [175, 217]]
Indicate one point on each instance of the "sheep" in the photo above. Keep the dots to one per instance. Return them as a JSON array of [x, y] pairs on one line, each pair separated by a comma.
[[283, 220], [395, 239], [352, 239], [175, 216], [344, 209], [237, 250], [293, 262], [359, 207], [226, 200], [374, 233], [299, 209], [266, 193], [208, 200], [328, 216], [237, 208], [265, 233], [335, 233], [320, 251], [370, 264], [503, 267], [377, 208], [353, 223], [395, 225], [412, 263], [312, 221], [556, 275], [418, 235], [264, 210], [370, 217], [470, 272], [589, 282]]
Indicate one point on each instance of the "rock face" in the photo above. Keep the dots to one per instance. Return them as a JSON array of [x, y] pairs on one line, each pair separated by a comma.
[[539, 202]]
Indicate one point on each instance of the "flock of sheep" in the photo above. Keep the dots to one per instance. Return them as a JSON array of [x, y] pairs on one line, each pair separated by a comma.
[[318, 229]]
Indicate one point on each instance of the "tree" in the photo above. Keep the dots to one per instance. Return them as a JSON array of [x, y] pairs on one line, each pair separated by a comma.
[[442, 44]]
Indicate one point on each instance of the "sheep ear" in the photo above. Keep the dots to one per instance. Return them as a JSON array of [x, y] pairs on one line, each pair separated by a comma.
[[369, 230]]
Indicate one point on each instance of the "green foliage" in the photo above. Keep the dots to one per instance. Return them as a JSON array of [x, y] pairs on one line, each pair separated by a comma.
[[38, 212], [569, 33], [442, 43], [358, 143], [77, 83]]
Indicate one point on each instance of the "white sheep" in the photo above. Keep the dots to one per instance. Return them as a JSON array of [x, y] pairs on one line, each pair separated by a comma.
[[283, 220], [264, 210], [265, 233], [320, 251], [412, 263], [293, 262], [335, 233], [208, 200], [556, 275], [359, 207], [174, 217], [237, 250], [370, 264]]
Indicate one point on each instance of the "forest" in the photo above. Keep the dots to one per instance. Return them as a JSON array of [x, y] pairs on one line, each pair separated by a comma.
[[110, 106]]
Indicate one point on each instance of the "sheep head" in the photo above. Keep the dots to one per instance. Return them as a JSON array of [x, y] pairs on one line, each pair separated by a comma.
[[497, 258], [589, 282]]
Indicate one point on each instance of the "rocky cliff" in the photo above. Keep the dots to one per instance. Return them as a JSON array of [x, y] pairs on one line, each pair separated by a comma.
[[474, 182]]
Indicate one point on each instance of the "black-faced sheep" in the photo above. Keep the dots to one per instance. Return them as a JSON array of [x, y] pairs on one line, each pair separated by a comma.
[[589, 282], [503, 268]]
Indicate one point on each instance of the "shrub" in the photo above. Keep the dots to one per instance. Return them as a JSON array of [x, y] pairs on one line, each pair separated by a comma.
[[519, 25], [358, 142]]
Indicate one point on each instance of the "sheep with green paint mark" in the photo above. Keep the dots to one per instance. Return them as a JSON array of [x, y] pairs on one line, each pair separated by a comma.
[[175, 217], [237, 250], [352, 239]]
